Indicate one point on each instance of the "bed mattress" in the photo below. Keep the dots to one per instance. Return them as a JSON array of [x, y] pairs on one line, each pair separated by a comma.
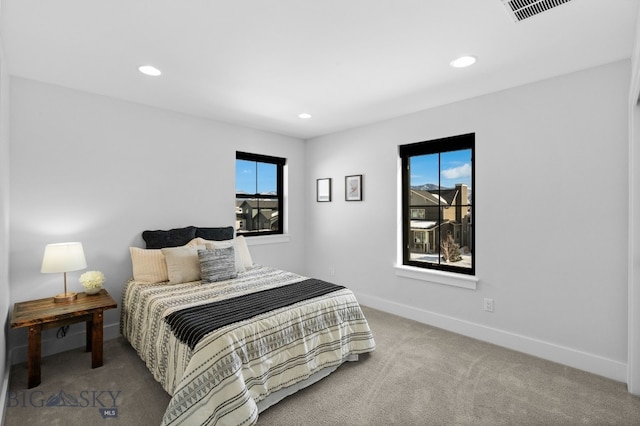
[[222, 376]]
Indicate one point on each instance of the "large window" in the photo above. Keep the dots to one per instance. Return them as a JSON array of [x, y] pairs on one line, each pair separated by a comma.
[[259, 194], [437, 204]]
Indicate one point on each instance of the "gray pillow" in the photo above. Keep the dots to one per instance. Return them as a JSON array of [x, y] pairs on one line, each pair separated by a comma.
[[217, 264]]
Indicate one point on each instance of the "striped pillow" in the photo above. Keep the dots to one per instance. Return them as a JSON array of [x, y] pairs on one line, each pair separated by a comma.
[[149, 266], [217, 264]]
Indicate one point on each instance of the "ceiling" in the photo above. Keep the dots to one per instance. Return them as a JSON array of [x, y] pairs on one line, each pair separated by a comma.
[[259, 63]]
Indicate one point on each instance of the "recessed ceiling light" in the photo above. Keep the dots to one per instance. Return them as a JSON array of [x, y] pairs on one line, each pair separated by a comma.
[[149, 70], [463, 61], [304, 115]]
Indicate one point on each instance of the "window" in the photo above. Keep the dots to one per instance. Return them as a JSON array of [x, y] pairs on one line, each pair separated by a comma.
[[437, 204], [259, 194]]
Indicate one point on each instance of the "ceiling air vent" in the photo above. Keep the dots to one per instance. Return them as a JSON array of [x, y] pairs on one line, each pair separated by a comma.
[[523, 9]]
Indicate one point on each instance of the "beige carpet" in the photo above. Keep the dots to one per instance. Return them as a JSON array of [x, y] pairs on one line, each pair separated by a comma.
[[418, 375]]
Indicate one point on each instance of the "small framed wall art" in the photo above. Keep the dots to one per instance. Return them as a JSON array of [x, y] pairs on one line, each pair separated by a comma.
[[323, 190], [353, 188]]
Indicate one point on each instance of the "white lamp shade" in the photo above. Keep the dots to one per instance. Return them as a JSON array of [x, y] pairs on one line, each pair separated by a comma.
[[63, 257]]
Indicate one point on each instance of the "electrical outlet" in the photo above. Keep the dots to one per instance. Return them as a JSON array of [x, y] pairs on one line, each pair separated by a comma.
[[488, 304]]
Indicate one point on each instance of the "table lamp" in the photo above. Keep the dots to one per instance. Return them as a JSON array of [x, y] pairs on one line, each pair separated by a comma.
[[63, 257]]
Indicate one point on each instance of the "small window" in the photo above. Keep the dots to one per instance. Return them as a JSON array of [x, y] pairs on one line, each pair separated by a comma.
[[437, 204], [259, 194]]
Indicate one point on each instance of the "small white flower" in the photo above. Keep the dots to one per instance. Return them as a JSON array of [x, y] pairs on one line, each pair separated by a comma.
[[92, 279]]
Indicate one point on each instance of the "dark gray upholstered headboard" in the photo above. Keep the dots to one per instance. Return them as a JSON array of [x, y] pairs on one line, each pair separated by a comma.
[[180, 236]]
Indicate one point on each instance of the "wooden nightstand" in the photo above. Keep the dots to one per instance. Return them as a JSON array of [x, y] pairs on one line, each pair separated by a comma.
[[41, 314]]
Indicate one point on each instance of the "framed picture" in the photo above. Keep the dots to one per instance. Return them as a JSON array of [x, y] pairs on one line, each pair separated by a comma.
[[353, 188], [323, 190]]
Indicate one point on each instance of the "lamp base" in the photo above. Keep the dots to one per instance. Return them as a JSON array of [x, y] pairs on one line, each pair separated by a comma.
[[65, 297]]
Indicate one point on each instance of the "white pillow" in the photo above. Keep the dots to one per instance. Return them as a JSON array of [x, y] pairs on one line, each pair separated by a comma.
[[217, 245], [196, 242], [245, 255], [149, 266], [183, 265]]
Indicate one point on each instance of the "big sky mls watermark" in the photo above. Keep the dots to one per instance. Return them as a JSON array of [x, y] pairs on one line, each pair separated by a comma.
[[106, 401]]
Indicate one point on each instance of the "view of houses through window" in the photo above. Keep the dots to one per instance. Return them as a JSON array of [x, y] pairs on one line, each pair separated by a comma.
[[438, 228], [259, 194]]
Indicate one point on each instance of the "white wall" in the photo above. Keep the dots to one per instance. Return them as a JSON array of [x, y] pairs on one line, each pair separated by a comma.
[[633, 374], [98, 170], [633, 370], [4, 228], [551, 218]]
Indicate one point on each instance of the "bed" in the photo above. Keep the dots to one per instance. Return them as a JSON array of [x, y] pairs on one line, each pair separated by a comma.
[[228, 345]]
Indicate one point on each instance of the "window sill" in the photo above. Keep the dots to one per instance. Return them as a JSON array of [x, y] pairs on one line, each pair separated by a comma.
[[446, 278], [267, 239]]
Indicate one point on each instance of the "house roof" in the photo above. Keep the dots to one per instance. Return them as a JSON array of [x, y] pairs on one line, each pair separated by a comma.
[[430, 198], [449, 194], [423, 224], [264, 204]]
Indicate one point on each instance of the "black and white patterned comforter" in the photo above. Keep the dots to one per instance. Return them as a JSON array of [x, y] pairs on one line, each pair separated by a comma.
[[235, 366]]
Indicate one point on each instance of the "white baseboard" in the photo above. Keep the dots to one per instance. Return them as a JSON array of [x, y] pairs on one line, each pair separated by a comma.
[[591, 363], [71, 341]]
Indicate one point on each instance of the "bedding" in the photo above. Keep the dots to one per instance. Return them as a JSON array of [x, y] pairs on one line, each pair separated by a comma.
[[222, 374]]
